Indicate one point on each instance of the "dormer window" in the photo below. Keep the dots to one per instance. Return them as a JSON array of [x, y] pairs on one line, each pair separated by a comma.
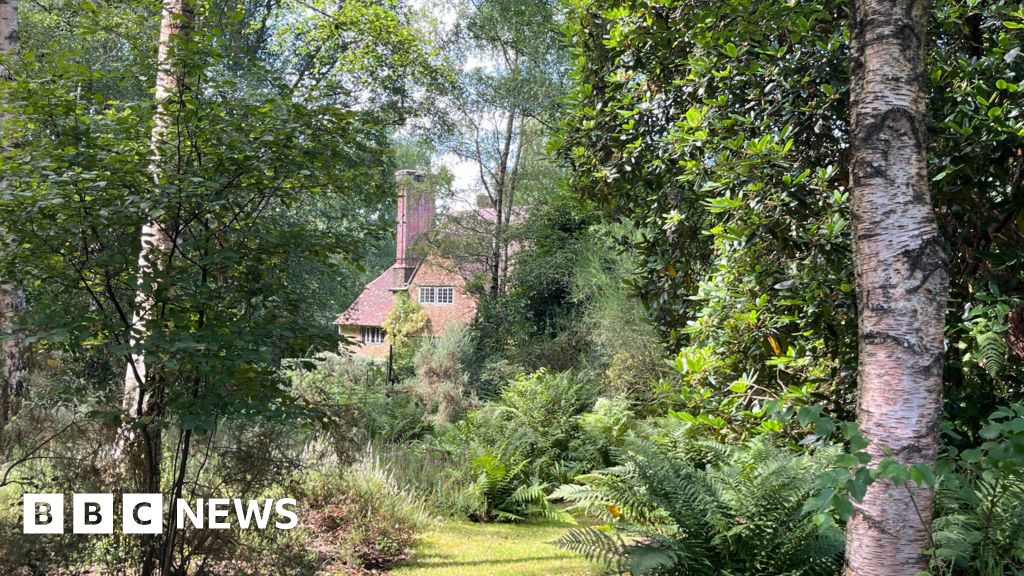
[[437, 295]]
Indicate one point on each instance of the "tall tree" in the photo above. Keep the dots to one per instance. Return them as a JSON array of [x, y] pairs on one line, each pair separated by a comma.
[[156, 243], [141, 387], [12, 298], [513, 71], [239, 190], [902, 283]]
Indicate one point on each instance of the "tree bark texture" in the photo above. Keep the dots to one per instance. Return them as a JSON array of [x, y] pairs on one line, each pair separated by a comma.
[[12, 299], [156, 242], [900, 265]]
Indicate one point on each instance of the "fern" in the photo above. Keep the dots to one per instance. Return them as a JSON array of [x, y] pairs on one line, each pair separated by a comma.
[[657, 555], [978, 528], [509, 495], [596, 546], [685, 506], [991, 352]]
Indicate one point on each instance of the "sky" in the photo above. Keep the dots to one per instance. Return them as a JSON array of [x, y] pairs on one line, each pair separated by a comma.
[[467, 179]]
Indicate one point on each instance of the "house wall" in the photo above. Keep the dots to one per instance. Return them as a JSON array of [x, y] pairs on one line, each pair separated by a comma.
[[355, 334], [461, 311]]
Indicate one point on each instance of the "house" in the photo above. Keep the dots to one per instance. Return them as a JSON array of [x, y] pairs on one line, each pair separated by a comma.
[[427, 279]]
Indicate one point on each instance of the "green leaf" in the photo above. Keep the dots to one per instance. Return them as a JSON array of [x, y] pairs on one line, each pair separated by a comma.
[[922, 474]]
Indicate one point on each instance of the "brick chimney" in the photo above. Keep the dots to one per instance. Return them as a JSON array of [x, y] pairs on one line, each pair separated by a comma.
[[415, 216]]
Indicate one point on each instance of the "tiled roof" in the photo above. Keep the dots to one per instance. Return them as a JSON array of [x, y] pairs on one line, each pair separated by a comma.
[[377, 299], [373, 304]]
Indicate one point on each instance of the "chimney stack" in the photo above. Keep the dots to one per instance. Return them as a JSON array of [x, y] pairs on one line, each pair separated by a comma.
[[415, 216]]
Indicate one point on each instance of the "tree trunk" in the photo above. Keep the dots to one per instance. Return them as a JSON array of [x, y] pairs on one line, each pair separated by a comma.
[[902, 283], [12, 299], [500, 192], [156, 243], [139, 443], [510, 203]]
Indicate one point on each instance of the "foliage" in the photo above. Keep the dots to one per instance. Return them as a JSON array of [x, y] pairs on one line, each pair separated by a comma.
[[47, 447], [362, 518], [736, 216], [535, 419], [699, 391], [254, 461], [691, 506], [511, 62], [699, 211], [355, 407], [981, 336], [718, 155], [494, 374], [604, 430], [535, 323], [333, 51], [978, 529], [445, 481], [406, 320], [525, 439], [266, 187], [508, 493], [716, 131], [441, 377], [622, 341]]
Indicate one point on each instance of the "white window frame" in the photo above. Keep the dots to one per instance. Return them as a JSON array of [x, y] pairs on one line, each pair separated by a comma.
[[372, 335], [437, 295], [426, 294], [444, 294]]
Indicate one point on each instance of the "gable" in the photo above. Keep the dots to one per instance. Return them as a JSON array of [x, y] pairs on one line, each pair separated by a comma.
[[458, 306], [435, 272]]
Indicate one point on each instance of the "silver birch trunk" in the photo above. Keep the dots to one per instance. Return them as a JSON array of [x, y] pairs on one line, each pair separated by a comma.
[[12, 299], [902, 282], [156, 243]]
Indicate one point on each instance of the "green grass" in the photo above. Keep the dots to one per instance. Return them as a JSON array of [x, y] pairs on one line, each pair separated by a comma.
[[466, 549]]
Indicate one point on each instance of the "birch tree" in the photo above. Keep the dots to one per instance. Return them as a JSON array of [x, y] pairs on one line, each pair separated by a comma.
[[900, 266], [511, 86], [156, 243], [12, 299]]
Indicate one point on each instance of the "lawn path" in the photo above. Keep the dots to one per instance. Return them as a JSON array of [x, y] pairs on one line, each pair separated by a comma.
[[467, 549]]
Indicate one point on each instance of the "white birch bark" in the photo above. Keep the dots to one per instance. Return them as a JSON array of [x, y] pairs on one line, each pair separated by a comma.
[[156, 243], [12, 299], [902, 283]]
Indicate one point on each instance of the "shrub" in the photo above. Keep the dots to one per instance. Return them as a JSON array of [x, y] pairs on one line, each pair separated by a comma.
[[978, 528], [355, 405], [604, 429], [508, 494], [495, 374], [362, 519], [406, 320], [521, 443], [695, 507], [534, 419], [441, 379], [624, 345]]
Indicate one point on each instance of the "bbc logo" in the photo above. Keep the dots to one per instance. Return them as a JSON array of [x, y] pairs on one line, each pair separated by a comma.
[[143, 513], [93, 513]]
